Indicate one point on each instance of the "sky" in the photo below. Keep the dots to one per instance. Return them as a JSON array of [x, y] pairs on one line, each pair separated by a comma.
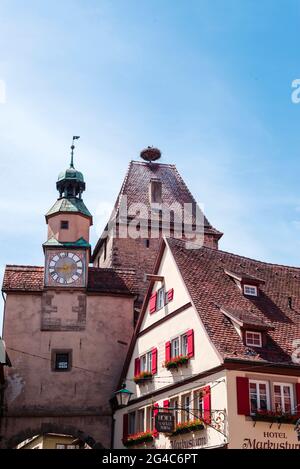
[[209, 82]]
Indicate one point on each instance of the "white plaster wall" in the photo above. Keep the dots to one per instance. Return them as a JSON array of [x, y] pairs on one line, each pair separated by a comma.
[[172, 279], [218, 385]]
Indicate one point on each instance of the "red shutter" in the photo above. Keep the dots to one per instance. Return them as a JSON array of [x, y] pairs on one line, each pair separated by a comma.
[[166, 404], [154, 361], [152, 303], [190, 336], [206, 404], [298, 399], [125, 427], [242, 392], [168, 351], [170, 295], [137, 366], [155, 412]]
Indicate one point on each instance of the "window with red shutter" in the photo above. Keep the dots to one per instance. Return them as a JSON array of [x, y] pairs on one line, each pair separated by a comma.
[[137, 366], [190, 338], [155, 412], [125, 427], [152, 303], [242, 391], [168, 351], [154, 361], [206, 404]]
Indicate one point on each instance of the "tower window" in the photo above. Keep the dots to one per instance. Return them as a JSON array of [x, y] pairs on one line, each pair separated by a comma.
[[64, 225], [61, 360], [147, 243]]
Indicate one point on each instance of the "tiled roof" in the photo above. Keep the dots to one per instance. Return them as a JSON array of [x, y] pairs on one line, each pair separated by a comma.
[[23, 278], [212, 291], [174, 190], [81, 243], [31, 279]]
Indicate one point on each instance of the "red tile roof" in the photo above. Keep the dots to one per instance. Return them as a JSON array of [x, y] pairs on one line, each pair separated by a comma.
[[19, 278], [211, 289]]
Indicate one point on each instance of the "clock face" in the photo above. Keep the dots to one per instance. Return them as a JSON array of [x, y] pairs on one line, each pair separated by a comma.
[[66, 268]]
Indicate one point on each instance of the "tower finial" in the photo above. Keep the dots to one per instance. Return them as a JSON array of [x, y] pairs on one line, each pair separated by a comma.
[[75, 137]]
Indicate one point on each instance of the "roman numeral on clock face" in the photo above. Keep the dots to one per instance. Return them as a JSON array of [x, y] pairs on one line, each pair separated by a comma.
[[65, 268]]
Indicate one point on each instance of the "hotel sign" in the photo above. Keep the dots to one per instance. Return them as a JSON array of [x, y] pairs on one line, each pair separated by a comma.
[[164, 422]]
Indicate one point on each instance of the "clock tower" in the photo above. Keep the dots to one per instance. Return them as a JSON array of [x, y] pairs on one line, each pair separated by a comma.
[[67, 249]]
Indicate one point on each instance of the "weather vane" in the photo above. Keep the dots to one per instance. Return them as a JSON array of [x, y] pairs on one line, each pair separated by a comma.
[[75, 137]]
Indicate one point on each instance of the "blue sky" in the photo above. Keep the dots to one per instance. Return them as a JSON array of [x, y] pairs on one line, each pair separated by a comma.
[[208, 82]]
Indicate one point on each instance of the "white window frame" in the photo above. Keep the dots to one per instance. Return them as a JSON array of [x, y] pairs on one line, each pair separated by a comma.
[[180, 339], [174, 402], [184, 342], [259, 334], [146, 361], [253, 290], [148, 416], [132, 413], [290, 385], [161, 298], [258, 382], [198, 402]]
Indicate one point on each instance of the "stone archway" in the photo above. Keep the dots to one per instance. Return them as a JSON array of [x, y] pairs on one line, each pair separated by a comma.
[[50, 427]]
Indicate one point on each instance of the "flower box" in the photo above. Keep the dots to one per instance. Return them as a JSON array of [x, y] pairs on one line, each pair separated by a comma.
[[190, 426], [138, 438], [273, 416], [176, 362], [143, 377]]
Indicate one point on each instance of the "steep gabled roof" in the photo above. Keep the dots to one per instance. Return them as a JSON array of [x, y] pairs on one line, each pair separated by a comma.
[[135, 188], [212, 290]]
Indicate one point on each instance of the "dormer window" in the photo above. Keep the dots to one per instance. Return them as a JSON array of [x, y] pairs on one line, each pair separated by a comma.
[[250, 290], [253, 339]]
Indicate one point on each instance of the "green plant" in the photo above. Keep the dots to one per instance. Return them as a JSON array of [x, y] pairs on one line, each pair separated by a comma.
[[138, 438]]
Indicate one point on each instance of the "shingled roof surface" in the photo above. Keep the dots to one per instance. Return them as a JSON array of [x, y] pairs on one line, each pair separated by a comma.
[[211, 289], [174, 190], [20, 278]]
